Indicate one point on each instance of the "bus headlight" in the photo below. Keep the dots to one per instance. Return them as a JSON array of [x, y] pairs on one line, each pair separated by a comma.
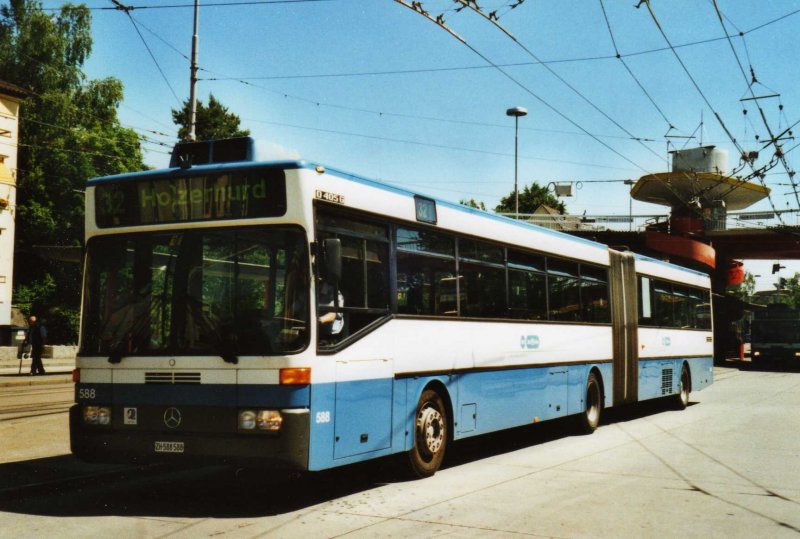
[[97, 415], [269, 420], [247, 420], [263, 420], [756, 354], [797, 354]]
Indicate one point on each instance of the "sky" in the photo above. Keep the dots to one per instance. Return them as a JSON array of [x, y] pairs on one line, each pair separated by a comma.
[[372, 87]]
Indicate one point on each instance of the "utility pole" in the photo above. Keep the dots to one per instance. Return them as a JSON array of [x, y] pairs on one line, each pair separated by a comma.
[[193, 76]]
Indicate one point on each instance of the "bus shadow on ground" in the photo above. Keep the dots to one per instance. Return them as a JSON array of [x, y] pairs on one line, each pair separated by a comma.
[[226, 492]]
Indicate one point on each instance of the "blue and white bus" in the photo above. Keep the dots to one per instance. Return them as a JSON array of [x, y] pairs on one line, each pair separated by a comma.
[[293, 315]]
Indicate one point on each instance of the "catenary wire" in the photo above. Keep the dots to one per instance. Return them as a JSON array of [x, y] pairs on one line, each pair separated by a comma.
[[126, 10], [469, 4]]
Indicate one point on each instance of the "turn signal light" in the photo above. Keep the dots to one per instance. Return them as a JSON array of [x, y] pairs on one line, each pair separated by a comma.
[[295, 377]]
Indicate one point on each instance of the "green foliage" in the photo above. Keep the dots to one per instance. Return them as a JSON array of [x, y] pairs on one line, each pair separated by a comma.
[[212, 121], [790, 288], [68, 133], [746, 289], [531, 197], [472, 203]]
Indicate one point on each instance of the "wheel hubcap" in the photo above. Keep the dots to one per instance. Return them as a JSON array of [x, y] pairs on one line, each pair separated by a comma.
[[430, 424]]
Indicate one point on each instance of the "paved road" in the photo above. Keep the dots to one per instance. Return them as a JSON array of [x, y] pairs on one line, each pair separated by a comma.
[[727, 466]]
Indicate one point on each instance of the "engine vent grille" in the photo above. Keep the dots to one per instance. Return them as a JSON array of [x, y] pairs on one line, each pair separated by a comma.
[[163, 377], [666, 382]]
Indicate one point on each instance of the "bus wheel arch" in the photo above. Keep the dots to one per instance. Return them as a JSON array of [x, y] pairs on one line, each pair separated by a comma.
[[432, 428], [594, 395], [681, 399]]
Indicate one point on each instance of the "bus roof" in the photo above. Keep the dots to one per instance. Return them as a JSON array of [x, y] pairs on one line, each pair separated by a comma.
[[178, 172]]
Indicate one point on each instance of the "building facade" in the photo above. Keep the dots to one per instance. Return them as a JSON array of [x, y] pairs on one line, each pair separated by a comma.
[[10, 98]]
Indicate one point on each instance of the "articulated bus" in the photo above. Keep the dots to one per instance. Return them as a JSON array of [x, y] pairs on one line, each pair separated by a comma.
[[290, 315]]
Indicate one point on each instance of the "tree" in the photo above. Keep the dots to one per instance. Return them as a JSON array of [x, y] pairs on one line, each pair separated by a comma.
[[531, 197], [745, 290], [212, 121], [69, 132], [790, 287], [472, 203]]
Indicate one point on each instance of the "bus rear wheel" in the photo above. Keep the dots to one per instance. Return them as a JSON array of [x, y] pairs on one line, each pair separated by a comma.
[[430, 435], [681, 399], [590, 418]]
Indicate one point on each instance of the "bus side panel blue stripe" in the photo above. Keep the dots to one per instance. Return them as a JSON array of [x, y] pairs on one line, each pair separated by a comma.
[[386, 422], [323, 408], [701, 370]]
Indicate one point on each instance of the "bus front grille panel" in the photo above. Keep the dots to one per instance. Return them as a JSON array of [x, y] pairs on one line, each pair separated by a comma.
[[162, 377], [666, 382]]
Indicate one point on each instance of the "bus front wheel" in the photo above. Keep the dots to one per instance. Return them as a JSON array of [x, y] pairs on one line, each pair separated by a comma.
[[590, 418], [430, 434]]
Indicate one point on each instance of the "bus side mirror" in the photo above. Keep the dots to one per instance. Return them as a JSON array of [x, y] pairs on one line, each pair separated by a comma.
[[332, 257]]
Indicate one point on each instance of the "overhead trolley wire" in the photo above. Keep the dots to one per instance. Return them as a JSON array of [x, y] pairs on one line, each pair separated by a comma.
[[514, 64], [470, 4], [749, 82], [619, 56], [707, 102], [212, 4], [418, 9], [431, 145], [127, 10]]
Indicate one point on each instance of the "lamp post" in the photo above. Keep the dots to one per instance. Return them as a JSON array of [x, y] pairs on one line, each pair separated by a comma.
[[630, 205], [516, 112]]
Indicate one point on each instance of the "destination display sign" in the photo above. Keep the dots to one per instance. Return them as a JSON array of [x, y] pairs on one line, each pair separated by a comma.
[[239, 195]]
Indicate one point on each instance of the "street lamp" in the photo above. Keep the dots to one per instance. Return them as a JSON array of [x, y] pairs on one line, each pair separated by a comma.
[[630, 205], [516, 112]]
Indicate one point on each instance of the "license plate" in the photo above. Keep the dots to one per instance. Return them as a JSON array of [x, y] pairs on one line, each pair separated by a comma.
[[169, 447]]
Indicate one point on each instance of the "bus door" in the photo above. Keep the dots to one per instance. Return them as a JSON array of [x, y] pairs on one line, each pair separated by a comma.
[[624, 313], [363, 417]]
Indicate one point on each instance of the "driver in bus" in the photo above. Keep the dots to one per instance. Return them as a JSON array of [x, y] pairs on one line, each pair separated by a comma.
[[331, 323]]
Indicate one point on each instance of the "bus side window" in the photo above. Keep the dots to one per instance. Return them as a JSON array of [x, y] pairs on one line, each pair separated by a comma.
[[426, 273], [527, 286], [645, 302], [564, 290], [594, 295], [482, 279], [363, 291], [664, 303]]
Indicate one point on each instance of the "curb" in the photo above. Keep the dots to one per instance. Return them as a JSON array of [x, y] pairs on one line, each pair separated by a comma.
[[36, 380]]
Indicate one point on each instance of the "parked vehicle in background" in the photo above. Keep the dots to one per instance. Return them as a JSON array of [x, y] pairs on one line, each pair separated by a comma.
[[775, 334]]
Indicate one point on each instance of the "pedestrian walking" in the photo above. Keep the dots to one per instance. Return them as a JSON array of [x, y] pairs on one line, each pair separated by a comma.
[[36, 337]]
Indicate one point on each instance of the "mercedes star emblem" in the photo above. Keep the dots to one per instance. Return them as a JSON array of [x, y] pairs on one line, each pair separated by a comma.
[[172, 417]]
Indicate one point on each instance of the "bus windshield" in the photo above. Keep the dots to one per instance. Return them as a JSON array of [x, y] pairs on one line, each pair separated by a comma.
[[227, 292]]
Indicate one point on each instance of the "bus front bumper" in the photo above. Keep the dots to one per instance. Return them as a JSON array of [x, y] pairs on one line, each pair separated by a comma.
[[287, 449]]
